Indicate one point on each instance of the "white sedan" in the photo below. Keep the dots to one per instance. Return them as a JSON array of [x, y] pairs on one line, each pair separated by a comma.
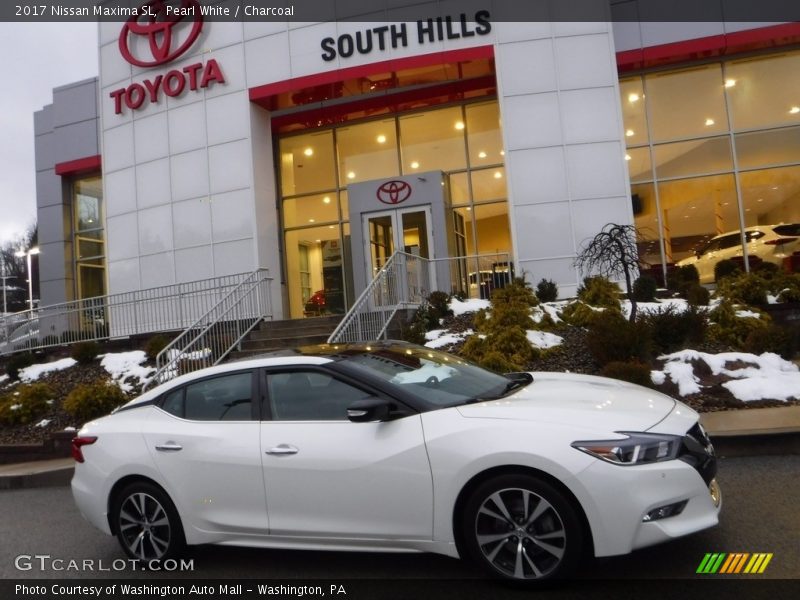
[[393, 447]]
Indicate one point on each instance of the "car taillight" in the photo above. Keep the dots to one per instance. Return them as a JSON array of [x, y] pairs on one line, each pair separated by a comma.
[[79, 442], [779, 241]]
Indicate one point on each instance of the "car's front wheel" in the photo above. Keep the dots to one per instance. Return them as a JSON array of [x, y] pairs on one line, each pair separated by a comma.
[[522, 528], [146, 523]]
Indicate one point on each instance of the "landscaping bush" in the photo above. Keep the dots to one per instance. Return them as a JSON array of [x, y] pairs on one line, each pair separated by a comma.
[[632, 372], [745, 288], [438, 308], [697, 295], [613, 338], [786, 287], [89, 401], [582, 315], [644, 289], [16, 363], [547, 290], [27, 403], [681, 277], [672, 329], [414, 330], [773, 338], [154, 345], [726, 268], [85, 352], [728, 328], [599, 291]]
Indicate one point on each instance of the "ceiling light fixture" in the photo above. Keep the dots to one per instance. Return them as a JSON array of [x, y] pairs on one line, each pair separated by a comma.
[[381, 139], [709, 122], [414, 165], [629, 133], [481, 154], [498, 175], [327, 199], [308, 151], [351, 175], [729, 83], [794, 110], [627, 157], [633, 98], [459, 125]]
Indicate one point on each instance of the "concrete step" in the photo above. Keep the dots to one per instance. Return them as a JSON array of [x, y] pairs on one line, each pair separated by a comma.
[[280, 334], [329, 323], [290, 341]]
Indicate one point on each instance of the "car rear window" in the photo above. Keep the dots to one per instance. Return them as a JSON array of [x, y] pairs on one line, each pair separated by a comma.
[[788, 229]]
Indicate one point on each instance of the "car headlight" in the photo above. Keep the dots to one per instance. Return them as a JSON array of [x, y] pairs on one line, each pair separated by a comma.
[[635, 449]]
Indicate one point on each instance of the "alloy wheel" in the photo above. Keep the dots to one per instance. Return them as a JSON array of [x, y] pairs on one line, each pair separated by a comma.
[[144, 526]]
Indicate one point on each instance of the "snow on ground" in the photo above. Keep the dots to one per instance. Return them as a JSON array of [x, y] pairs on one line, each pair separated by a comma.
[[33, 372], [3, 378], [43, 423], [548, 308], [124, 365], [747, 314], [752, 377], [679, 305], [471, 305], [438, 338], [542, 339]]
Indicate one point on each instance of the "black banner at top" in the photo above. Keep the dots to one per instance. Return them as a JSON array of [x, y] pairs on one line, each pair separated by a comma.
[[297, 11]]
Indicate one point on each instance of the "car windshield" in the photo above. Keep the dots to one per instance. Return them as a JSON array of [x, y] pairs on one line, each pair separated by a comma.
[[436, 378]]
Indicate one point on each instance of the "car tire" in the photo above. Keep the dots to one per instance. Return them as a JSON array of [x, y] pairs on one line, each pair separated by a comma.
[[522, 529], [146, 523]]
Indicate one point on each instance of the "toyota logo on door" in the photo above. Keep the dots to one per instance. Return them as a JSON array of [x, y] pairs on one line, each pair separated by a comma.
[[393, 192], [160, 32], [158, 28]]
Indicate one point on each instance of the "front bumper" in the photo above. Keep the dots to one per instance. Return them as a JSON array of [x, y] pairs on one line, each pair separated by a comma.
[[622, 496]]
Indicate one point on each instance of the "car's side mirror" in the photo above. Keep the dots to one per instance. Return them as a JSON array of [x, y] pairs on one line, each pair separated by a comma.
[[368, 410]]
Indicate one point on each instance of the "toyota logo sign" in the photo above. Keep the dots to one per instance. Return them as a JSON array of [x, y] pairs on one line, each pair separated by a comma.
[[393, 192], [157, 27]]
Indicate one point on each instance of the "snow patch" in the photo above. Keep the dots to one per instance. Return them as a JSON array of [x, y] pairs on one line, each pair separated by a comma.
[[753, 377], [471, 305], [126, 365], [34, 372], [747, 314], [658, 377], [438, 338], [542, 339], [3, 378], [550, 309], [69, 429], [43, 423]]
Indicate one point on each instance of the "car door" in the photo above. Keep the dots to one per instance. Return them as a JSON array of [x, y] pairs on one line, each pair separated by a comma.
[[326, 476], [204, 440]]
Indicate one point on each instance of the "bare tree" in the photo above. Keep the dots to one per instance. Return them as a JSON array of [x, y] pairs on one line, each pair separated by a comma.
[[612, 253]]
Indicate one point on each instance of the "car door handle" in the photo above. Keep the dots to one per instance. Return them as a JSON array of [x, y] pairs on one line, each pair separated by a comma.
[[169, 447], [283, 449]]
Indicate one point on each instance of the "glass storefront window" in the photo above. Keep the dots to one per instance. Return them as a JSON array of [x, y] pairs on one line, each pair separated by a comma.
[[491, 225], [307, 163], [433, 140], [764, 92], [367, 151], [489, 184], [484, 137], [768, 148], [645, 215], [633, 112], [316, 276], [639, 166], [695, 210], [771, 196], [686, 104], [88, 237], [305, 210], [459, 188], [696, 157]]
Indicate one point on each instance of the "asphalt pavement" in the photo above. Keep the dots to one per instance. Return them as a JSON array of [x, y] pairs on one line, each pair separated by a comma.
[[760, 496]]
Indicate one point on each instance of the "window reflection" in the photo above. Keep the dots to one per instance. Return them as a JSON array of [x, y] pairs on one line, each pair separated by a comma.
[[433, 140], [367, 151], [307, 163]]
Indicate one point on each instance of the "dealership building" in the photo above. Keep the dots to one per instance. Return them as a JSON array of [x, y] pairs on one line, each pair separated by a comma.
[[316, 150]]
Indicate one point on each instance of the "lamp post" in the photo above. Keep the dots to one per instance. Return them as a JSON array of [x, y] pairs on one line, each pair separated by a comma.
[[28, 254]]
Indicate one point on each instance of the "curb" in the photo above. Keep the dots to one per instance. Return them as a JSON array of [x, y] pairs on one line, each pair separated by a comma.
[[31, 475]]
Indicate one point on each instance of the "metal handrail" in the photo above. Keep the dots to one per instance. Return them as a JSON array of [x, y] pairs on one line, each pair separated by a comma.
[[217, 332], [160, 309], [404, 281]]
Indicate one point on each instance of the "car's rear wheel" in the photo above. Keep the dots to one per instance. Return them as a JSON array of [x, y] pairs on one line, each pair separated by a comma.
[[521, 528], [146, 522]]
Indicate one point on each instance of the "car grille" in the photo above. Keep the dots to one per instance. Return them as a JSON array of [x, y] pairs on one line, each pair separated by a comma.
[[698, 451]]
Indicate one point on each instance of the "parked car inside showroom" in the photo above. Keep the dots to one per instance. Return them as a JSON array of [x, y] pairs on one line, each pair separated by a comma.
[[390, 446], [771, 243]]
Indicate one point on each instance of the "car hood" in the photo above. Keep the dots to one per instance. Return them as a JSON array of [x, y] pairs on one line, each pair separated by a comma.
[[579, 400]]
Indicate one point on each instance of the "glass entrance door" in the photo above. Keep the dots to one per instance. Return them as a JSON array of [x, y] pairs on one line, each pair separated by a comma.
[[407, 230]]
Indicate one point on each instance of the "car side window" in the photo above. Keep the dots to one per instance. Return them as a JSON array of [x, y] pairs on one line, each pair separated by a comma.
[[729, 241], [310, 396], [225, 398], [753, 235], [173, 403], [712, 246]]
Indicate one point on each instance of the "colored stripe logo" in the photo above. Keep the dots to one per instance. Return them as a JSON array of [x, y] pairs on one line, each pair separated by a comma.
[[734, 563]]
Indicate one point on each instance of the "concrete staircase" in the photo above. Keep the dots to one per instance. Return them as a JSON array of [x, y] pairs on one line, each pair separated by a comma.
[[280, 335]]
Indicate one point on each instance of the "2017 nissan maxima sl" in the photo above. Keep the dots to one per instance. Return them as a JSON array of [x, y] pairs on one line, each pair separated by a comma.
[[395, 447]]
